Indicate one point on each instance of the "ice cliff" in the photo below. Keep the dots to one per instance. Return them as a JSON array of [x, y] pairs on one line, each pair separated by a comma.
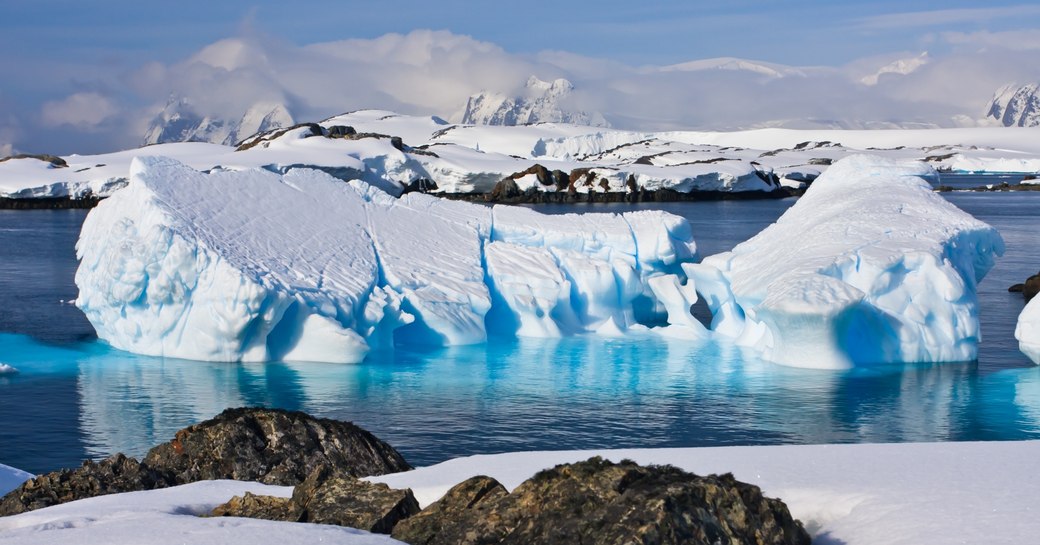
[[870, 266], [252, 266], [1028, 330]]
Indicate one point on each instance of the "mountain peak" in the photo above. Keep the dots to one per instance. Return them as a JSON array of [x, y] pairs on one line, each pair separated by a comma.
[[179, 121], [1016, 105], [540, 102]]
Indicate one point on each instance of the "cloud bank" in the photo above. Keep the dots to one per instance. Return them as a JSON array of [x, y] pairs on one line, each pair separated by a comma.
[[434, 72]]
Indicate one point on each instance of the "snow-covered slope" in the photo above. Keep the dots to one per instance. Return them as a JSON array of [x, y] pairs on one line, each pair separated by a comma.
[[253, 266], [1028, 330], [540, 102], [1016, 105], [473, 158], [179, 122], [11, 478], [869, 266]]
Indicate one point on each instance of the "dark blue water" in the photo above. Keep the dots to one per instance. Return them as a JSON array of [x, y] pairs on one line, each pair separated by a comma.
[[961, 180], [75, 398]]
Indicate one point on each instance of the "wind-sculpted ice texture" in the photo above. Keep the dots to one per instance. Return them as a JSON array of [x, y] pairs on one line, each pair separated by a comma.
[[255, 266], [1028, 330], [870, 266]]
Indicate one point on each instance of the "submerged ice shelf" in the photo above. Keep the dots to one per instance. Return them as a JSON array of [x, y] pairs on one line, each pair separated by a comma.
[[255, 266], [869, 267]]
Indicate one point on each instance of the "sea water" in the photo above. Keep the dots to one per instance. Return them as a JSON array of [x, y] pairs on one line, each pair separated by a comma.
[[75, 398]]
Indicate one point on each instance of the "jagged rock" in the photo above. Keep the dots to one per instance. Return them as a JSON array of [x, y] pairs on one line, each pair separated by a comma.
[[272, 446], [397, 143], [327, 497], [422, 185], [117, 473], [1031, 287], [54, 160], [257, 507], [505, 189], [467, 495], [341, 131], [599, 502]]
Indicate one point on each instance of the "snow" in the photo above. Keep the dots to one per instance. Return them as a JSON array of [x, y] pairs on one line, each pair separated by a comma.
[[860, 494], [250, 265], [6, 369], [1028, 330], [471, 158], [869, 266]]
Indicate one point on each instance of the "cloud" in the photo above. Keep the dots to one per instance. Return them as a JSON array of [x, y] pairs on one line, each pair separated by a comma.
[[1018, 40], [945, 17], [81, 110]]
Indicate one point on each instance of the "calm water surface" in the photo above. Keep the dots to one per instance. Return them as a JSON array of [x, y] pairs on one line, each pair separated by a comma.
[[75, 398]]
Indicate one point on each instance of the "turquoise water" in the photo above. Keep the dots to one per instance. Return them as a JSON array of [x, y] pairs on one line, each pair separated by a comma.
[[74, 397]]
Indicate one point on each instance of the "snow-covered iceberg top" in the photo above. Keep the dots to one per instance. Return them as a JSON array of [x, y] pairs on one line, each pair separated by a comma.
[[870, 266], [253, 266], [1028, 330]]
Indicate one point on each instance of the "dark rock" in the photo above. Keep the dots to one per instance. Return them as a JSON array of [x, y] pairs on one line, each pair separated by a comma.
[[54, 160], [1031, 287], [1017, 288], [467, 495], [599, 502], [422, 185], [561, 179], [327, 497], [272, 446], [257, 507], [114, 474], [505, 189], [397, 143], [341, 131]]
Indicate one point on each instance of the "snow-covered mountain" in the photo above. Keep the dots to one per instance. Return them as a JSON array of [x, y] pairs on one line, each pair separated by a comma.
[[179, 122], [541, 102], [1016, 105], [900, 67]]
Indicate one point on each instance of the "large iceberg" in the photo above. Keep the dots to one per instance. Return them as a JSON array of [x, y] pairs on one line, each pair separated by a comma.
[[1028, 330], [254, 266], [870, 266]]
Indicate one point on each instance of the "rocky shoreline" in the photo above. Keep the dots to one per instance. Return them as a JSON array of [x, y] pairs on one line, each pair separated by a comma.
[[593, 502]]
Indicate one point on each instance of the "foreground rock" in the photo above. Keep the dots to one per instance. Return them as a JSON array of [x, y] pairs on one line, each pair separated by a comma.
[[327, 497], [599, 502], [1029, 288], [112, 475], [271, 446]]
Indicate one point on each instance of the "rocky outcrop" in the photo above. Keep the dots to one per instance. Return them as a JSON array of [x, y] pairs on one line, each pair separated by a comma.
[[272, 446], [599, 502], [114, 474], [1016, 105], [327, 497], [1029, 288]]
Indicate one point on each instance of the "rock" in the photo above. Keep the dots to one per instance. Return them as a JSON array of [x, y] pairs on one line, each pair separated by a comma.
[[341, 131], [1017, 288], [1031, 287], [599, 502], [505, 189], [397, 143], [327, 497], [114, 474], [257, 507], [272, 446], [467, 495], [54, 160], [422, 185]]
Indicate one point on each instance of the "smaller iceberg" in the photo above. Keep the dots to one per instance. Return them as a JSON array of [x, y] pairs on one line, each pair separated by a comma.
[[870, 266], [1028, 330]]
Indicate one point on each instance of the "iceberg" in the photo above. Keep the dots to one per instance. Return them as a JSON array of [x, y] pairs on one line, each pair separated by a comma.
[[869, 267], [253, 265], [1028, 330]]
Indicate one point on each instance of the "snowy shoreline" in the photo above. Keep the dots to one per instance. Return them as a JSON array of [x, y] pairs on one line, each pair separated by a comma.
[[909, 493]]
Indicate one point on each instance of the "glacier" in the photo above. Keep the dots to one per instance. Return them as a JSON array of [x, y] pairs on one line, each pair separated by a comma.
[[1028, 330], [253, 265], [870, 266]]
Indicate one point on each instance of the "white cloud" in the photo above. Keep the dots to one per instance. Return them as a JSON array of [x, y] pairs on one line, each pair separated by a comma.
[[81, 110], [945, 17], [1018, 40]]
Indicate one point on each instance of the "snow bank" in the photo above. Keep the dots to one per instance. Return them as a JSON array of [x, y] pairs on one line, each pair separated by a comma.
[[170, 516], [255, 266], [11, 478], [913, 494], [1028, 330], [870, 266]]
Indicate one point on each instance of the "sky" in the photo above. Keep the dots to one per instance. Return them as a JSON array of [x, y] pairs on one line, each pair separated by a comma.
[[88, 77]]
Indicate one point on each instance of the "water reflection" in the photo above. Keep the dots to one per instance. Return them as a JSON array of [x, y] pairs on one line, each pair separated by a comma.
[[515, 395]]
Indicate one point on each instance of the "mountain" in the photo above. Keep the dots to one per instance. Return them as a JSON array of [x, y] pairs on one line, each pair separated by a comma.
[[179, 122], [541, 102], [1016, 105], [900, 67]]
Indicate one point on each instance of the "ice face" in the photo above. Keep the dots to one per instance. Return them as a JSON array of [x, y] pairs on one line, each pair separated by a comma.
[[1028, 330], [254, 266], [870, 266]]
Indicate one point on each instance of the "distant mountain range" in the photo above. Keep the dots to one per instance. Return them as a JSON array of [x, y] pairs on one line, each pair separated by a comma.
[[540, 102], [179, 122], [1016, 105]]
